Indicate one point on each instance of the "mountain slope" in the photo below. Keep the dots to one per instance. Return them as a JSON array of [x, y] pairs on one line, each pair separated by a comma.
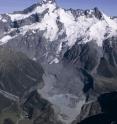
[[102, 110], [76, 48], [18, 74], [61, 28], [20, 78]]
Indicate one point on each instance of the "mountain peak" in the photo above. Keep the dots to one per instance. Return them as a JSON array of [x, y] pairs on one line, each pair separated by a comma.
[[48, 1], [98, 13]]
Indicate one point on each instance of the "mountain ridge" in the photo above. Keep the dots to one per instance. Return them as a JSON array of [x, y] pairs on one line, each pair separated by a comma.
[[37, 12], [76, 48]]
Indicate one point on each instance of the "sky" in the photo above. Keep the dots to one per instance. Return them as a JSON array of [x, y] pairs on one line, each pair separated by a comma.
[[107, 6]]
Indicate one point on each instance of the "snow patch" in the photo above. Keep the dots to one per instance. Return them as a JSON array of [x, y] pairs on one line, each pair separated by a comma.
[[34, 59], [5, 39], [97, 32], [110, 22], [48, 24], [56, 60], [2, 19], [38, 10]]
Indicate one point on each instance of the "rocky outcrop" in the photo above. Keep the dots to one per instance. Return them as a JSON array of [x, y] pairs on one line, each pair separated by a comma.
[[102, 111], [39, 110]]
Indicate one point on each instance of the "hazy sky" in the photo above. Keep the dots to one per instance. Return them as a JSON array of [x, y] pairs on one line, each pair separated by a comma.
[[108, 6]]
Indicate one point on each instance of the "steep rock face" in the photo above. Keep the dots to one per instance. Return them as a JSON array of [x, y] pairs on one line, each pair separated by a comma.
[[99, 63], [102, 111], [89, 109]]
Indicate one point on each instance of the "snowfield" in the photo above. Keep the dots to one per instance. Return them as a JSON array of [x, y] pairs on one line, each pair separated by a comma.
[[74, 28]]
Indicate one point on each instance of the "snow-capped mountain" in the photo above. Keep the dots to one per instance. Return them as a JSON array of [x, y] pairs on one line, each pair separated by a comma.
[[77, 49], [55, 23]]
